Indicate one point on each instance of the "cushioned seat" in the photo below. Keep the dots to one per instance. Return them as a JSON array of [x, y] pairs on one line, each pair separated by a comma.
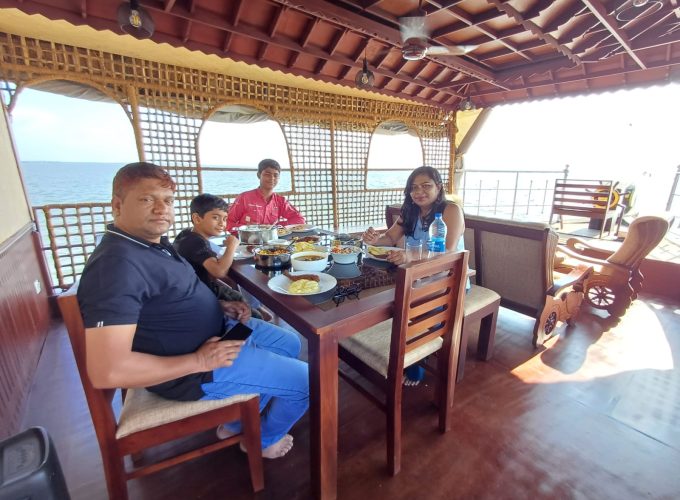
[[481, 304], [373, 347], [143, 410]]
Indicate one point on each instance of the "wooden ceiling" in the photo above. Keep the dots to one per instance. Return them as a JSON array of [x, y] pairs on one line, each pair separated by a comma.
[[524, 49]]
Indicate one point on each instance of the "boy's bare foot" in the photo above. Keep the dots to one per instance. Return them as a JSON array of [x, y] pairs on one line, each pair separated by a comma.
[[276, 450]]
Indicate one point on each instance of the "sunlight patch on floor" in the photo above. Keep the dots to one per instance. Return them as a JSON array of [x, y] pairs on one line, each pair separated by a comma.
[[638, 342]]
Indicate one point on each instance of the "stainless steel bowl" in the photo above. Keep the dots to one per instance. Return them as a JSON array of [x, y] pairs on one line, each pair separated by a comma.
[[257, 234], [263, 260]]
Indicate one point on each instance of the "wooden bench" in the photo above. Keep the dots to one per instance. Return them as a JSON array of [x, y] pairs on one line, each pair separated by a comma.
[[596, 200]]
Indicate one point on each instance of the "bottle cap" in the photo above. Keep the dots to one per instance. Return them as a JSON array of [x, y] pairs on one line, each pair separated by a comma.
[[438, 214]]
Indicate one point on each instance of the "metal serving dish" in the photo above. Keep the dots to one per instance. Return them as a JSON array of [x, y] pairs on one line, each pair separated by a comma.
[[257, 234], [279, 260]]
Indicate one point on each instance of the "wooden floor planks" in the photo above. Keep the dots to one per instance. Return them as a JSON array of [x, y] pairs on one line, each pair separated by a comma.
[[595, 413]]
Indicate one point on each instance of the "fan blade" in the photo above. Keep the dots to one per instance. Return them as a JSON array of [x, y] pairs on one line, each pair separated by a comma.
[[454, 50], [413, 27]]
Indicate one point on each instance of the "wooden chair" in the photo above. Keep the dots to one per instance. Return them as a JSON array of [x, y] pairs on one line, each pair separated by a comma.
[[586, 198], [481, 304], [616, 281], [147, 420], [428, 305]]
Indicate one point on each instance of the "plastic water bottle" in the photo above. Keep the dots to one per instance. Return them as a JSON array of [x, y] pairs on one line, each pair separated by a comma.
[[437, 241]]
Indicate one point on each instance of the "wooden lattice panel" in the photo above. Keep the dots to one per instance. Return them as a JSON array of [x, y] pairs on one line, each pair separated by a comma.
[[310, 151], [69, 233], [327, 135]]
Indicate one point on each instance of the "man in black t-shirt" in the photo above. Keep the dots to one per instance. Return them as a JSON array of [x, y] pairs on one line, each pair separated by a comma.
[[150, 322]]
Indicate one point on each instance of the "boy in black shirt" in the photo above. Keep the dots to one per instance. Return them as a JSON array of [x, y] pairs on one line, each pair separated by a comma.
[[209, 219]]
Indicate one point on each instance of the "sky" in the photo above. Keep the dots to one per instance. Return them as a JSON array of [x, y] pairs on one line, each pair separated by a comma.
[[51, 127], [628, 135]]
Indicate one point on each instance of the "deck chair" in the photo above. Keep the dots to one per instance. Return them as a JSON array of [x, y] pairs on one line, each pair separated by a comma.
[[147, 420], [428, 306], [616, 281]]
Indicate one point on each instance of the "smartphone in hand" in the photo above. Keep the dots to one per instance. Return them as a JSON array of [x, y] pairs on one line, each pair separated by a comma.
[[237, 332]]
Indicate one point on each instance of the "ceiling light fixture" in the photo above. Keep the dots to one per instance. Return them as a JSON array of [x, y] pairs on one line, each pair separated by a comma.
[[364, 78], [134, 20], [466, 105]]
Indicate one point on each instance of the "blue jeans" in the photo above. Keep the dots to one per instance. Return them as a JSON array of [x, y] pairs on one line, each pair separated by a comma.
[[267, 365]]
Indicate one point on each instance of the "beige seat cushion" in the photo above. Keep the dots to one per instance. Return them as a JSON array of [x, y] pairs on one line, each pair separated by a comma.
[[479, 297], [143, 410], [372, 346]]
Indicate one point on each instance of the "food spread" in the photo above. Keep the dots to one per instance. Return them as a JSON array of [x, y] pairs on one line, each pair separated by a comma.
[[303, 286], [378, 252]]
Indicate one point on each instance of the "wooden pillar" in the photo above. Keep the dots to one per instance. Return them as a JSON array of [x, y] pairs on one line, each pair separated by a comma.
[[136, 124]]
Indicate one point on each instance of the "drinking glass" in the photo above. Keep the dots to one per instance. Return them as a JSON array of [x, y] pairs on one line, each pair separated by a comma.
[[414, 250]]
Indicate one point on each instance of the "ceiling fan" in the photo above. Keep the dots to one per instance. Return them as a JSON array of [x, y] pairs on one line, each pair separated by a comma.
[[415, 34]]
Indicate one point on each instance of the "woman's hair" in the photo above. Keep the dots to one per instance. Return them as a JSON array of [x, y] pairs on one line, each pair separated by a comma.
[[205, 202], [410, 211], [134, 172]]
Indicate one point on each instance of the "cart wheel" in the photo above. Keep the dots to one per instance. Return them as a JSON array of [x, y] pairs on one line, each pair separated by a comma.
[[550, 323], [600, 296]]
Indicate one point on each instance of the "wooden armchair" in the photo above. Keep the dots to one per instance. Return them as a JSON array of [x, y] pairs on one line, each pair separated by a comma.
[[147, 420], [616, 281], [428, 313]]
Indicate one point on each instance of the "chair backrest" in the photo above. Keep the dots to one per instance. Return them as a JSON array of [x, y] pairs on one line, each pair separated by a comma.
[[513, 258], [428, 303], [644, 234], [584, 198], [98, 400]]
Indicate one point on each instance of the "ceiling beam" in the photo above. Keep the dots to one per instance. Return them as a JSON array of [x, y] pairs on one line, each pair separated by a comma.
[[534, 29], [333, 13], [599, 11]]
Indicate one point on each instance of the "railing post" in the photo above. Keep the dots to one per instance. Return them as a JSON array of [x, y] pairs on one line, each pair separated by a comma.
[[566, 171], [514, 196], [672, 195]]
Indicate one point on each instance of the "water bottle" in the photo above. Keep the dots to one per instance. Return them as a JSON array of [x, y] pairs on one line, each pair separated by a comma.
[[437, 241]]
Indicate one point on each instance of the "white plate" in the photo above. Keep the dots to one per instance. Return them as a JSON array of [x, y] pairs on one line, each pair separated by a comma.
[[242, 252], [300, 228], [368, 255], [281, 283]]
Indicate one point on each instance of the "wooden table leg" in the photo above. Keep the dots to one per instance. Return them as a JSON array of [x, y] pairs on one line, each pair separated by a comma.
[[323, 413]]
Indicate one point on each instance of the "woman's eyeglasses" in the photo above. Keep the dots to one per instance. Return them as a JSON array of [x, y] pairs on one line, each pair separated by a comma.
[[342, 292]]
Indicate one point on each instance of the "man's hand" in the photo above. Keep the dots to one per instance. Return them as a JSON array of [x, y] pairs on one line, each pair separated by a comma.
[[236, 310], [215, 354]]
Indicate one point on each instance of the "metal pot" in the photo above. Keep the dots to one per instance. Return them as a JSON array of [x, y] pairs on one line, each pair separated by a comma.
[[279, 260], [257, 234]]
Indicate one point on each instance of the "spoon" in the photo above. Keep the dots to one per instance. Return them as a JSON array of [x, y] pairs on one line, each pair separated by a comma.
[[279, 289]]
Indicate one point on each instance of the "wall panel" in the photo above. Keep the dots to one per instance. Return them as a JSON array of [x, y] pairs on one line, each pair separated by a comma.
[[24, 322]]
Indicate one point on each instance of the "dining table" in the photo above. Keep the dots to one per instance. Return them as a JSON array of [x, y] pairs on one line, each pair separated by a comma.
[[323, 324]]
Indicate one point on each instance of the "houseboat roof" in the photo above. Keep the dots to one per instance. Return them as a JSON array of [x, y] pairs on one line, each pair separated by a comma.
[[443, 53]]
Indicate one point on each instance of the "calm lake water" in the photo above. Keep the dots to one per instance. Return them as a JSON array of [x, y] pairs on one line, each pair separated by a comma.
[[60, 182]]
